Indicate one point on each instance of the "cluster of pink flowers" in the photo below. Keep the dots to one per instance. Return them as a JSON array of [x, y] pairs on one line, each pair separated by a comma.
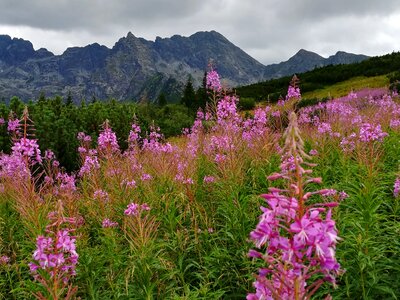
[[90, 163], [66, 182], [134, 209], [146, 177], [107, 140], [293, 92], [369, 133], [209, 179], [295, 239], [28, 148], [4, 260], [13, 125], [396, 187], [212, 81], [153, 142], [227, 108], [55, 253], [107, 223], [82, 137], [129, 183], [101, 195], [134, 135], [256, 128], [13, 167]]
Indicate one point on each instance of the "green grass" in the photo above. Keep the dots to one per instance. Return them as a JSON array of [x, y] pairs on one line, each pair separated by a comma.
[[343, 88]]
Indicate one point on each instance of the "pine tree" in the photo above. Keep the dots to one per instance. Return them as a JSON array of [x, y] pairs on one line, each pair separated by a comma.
[[161, 100], [189, 96]]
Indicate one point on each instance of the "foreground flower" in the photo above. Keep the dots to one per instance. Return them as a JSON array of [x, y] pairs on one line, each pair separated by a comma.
[[55, 257], [396, 188], [294, 238]]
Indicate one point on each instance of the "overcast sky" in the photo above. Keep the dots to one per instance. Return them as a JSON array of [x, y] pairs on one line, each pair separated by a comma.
[[269, 30]]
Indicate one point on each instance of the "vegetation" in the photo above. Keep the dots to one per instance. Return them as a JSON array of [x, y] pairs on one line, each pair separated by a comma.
[[57, 123], [321, 78], [143, 218]]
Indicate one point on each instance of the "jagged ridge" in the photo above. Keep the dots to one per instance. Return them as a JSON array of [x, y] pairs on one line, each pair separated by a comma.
[[135, 68]]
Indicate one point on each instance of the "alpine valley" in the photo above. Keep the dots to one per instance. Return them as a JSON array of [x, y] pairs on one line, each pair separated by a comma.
[[135, 68]]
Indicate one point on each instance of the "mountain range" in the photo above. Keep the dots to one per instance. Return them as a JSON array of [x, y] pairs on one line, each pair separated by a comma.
[[135, 68]]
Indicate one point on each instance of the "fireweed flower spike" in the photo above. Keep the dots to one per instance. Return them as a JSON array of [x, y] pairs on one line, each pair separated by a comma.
[[296, 240], [55, 257]]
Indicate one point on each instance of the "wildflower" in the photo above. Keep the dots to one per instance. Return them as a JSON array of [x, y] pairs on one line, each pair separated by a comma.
[[107, 140], [49, 155], [101, 195], [4, 260], [212, 81], [146, 177], [369, 133], [27, 148], [56, 255], [396, 187], [299, 238], [91, 163], [209, 179], [134, 209], [293, 92], [343, 195], [13, 125], [107, 223]]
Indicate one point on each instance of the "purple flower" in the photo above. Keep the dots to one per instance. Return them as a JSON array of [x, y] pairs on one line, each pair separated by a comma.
[[209, 179], [396, 187], [91, 163], [293, 92], [108, 141], [134, 209], [4, 260], [27, 148], [107, 223], [296, 239], [212, 81], [369, 133], [13, 125]]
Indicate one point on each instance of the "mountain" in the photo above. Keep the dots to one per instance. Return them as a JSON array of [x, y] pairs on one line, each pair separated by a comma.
[[305, 60], [135, 68]]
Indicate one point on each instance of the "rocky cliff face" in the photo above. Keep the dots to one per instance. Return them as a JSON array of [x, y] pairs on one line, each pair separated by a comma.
[[305, 60], [136, 68]]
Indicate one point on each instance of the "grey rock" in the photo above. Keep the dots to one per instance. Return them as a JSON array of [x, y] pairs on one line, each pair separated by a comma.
[[135, 68]]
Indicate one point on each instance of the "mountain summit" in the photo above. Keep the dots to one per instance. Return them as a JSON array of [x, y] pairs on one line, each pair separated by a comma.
[[135, 67]]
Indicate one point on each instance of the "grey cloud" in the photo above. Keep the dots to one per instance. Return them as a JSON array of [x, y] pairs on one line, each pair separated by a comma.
[[269, 30]]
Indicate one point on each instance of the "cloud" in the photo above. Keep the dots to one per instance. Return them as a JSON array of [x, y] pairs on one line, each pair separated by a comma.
[[269, 30]]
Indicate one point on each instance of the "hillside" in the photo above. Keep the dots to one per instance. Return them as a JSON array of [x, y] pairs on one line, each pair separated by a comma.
[[136, 68], [323, 77]]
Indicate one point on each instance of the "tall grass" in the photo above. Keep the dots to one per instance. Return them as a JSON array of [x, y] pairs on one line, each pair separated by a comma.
[[203, 193]]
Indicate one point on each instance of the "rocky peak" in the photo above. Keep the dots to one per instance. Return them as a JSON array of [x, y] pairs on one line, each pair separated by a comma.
[[15, 51], [342, 57]]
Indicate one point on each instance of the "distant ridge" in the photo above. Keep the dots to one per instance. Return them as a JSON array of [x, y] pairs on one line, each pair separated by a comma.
[[136, 68]]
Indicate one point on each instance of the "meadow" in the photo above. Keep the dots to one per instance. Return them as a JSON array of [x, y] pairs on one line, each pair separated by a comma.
[[285, 203]]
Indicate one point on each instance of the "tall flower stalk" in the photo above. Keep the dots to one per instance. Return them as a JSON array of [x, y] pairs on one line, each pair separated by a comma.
[[55, 258], [295, 237]]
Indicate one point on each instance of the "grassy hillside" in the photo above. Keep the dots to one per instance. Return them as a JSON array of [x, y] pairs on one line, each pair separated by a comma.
[[321, 78], [342, 88]]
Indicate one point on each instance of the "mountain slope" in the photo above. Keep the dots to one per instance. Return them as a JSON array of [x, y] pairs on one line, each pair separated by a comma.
[[136, 68]]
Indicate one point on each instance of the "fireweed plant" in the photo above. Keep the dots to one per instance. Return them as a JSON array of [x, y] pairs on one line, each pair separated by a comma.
[[203, 190], [55, 257], [299, 236]]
